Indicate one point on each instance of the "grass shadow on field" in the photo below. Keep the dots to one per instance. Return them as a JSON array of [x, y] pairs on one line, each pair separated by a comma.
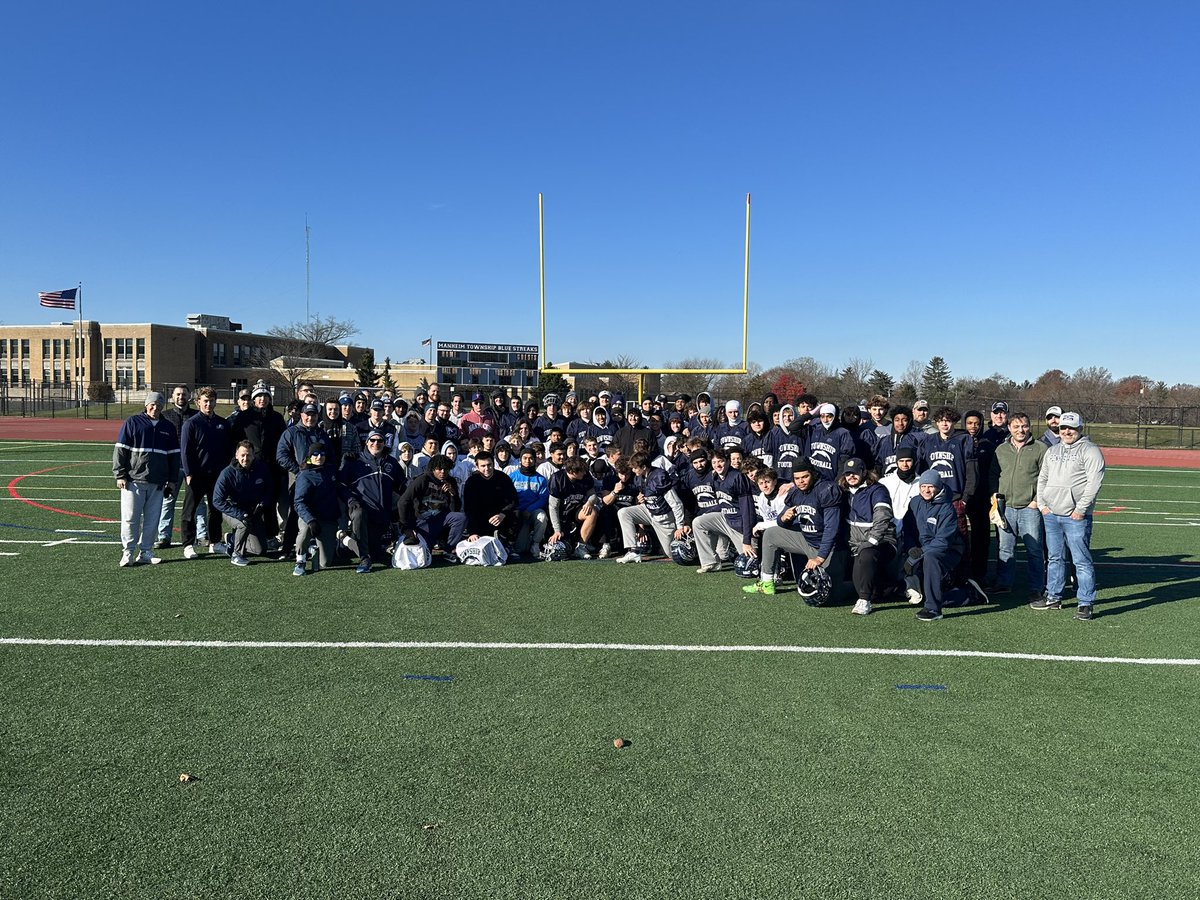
[[1149, 579]]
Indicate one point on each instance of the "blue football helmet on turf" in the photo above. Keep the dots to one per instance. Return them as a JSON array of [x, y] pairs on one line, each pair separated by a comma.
[[746, 566], [556, 551], [815, 586], [683, 551]]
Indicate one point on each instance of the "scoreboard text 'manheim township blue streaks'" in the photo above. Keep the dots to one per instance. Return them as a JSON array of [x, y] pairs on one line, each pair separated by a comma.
[[487, 365]]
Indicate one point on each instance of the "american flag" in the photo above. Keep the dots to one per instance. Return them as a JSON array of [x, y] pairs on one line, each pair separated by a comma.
[[58, 299]]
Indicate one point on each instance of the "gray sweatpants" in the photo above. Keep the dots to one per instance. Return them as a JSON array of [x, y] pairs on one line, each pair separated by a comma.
[[776, 538], [632, 516], [715, 537]]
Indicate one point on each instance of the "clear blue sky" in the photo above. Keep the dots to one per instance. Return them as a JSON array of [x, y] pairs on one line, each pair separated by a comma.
[[1012, 186]]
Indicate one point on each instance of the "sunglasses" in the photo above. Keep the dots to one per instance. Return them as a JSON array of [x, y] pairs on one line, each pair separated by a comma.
[[374, 440]]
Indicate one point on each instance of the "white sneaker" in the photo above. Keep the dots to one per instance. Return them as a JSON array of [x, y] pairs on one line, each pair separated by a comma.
[[631, 557], [239, 560], [581, 551], [606, 551], [712, 567], [127, 559], [220, 548], [862, 607], [148, 558], [189, 552], [915, 597]]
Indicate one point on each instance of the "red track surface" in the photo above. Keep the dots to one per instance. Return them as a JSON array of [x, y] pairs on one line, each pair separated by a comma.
[[17, 429], [14, 428]]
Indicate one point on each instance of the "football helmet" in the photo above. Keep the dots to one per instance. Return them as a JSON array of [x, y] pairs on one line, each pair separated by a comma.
[[683, 551], [556, 551], [746, 566], [815, 586]]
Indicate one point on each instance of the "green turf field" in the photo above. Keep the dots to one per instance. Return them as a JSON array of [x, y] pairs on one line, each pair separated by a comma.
[[485, 772]]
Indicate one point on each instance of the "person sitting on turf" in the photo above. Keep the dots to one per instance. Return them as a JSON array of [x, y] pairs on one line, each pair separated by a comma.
[[375, 480], [318, 505], [490, 501], [533, 494], [245, 496], [431, 508], [733, 522], [658, 508], [570, 507]]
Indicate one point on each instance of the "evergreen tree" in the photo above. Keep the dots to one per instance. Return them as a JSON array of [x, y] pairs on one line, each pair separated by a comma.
[[881, 382], [364, 371], [387, 383], [551, 383], [936, 381]]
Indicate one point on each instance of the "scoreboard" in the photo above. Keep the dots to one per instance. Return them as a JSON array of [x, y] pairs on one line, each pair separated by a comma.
[[487, 365]]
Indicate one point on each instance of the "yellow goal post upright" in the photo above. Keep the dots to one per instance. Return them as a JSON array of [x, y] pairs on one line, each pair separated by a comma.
[[641, 373]]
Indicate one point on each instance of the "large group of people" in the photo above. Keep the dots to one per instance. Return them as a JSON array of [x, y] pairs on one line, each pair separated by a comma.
[[896, 502]]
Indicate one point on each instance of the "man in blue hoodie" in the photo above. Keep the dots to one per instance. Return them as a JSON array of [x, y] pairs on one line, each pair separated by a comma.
[[939, 552], [829, 443]]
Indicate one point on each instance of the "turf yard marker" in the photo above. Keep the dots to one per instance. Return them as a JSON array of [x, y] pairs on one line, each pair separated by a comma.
[[587, 647]]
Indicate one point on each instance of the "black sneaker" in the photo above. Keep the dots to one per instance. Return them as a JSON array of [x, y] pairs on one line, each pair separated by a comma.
[[1083, 612], [1044, 602], [1034, 595], [999, 589], [924, 615]]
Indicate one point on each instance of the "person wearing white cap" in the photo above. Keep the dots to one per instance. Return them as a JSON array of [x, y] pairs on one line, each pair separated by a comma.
[[829, 443], [1053, 414], [1070, 479]]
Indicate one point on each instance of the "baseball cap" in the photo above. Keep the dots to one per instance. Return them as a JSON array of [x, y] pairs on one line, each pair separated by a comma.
[[921, 404], [375, 434], [605, 394], [310, 409], [854, 466], [1054, 411], [477, 396], [376, 404], [999, 406], [1070, 420]]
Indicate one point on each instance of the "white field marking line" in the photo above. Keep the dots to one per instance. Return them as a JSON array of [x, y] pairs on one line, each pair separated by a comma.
[[80, 531], [52, 475], [1129, 484], [1106, 500], [77, 499], [10, 554], [1105, 521], [621, 648], [70, 542], [1161, 470], [1134, 565]]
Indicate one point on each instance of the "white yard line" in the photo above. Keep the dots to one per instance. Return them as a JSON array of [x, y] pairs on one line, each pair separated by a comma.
[[590, 647]]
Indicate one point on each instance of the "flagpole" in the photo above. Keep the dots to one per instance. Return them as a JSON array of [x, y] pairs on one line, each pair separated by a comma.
[[76, 360]]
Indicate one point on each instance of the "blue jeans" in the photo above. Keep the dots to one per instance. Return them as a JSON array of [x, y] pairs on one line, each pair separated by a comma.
[[1026, 523], [1064, 534]]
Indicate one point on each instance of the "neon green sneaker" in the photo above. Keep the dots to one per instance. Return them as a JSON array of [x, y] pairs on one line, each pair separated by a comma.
[[760, 587]]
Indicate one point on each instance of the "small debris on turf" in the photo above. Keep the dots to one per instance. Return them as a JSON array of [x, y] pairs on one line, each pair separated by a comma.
[[179, 615], [185, 777], [431, 826], [620, 742]]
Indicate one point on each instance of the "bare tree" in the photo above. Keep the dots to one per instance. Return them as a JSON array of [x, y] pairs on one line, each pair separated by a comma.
[[287, 357], [691, 383]]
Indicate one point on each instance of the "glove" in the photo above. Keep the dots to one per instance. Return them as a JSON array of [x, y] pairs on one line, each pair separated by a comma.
[[914, 557]]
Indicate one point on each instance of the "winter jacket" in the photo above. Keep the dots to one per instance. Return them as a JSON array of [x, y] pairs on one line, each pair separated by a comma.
[[374, 481], [487, 497], [937, 524], [318, 496], [425, 498], [204, 445], [147, 451], [818, 515], [239, 491], [1014, 471], [868, 512]]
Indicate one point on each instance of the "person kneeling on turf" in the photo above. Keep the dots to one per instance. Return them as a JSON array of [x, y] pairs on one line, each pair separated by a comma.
[[658, 507], [571, 507], [318, 505], [376, 480], [808, 526], [941, 549], [244, 492]]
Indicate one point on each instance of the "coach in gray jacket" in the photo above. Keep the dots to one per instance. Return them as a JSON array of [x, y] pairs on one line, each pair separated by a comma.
[[1070, 479]]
